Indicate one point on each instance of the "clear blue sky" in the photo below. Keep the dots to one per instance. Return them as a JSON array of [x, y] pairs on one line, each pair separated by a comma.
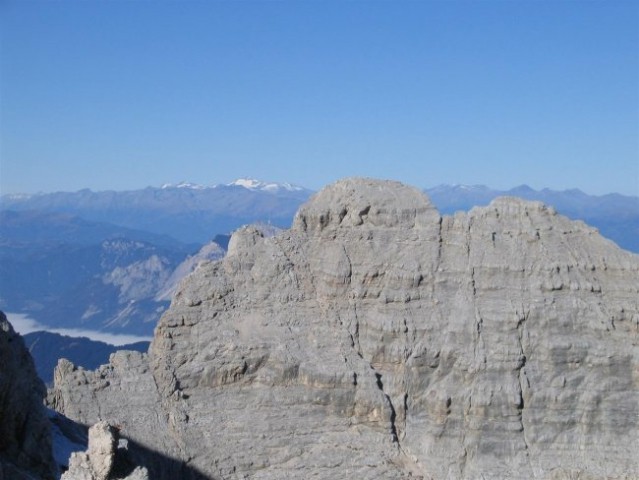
[[122, 95]]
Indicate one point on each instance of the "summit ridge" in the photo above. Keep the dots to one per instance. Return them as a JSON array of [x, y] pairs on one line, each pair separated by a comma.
[[379, 339]]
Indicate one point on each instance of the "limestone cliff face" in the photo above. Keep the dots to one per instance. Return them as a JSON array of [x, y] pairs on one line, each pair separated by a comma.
[[377, 339], [25, 437]]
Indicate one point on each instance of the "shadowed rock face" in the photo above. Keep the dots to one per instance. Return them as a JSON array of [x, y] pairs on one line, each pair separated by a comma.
[[377, 339], [25, 437]]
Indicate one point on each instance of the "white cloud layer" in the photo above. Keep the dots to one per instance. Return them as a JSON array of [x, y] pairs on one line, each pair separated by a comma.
[[23, 324]]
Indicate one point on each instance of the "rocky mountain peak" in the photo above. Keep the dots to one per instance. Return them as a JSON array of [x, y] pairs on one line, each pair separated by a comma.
[[378, 339], [357, 201]]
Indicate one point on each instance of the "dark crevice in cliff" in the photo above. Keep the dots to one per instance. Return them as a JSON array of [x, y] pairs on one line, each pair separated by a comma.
[[472, 281], [355, 334], [393, 415], [521, 372], [478, 330], [521, 406], [349, 273]]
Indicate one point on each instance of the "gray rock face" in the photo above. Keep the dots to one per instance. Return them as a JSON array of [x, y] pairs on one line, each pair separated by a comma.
[[377, 339], [25, 437]]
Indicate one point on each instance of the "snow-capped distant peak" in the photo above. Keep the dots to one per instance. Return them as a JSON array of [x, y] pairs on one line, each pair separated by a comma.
[[17, 196], [192, 186], [456, 187], [249, 183], [252, 184], [468, 188]]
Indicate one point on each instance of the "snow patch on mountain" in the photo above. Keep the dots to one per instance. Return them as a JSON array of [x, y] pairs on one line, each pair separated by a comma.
[[248, 183], [253, 184], [185, 185]]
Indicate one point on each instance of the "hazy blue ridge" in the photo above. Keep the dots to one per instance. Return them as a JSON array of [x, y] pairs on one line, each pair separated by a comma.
[[64, 271], [196, 214], [191, 215], [42, 228]]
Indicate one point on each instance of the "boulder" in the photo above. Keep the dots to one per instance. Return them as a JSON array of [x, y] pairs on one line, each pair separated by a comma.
[[105, 459]]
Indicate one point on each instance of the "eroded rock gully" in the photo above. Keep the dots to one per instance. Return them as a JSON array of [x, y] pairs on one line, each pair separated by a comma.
[[377, 339]]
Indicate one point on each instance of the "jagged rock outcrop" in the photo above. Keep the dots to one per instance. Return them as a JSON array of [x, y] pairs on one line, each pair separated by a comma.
[[377, 339], [105, 459], [25, 436]]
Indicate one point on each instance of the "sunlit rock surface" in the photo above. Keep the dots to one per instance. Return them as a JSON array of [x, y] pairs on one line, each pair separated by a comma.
[[377, 339]]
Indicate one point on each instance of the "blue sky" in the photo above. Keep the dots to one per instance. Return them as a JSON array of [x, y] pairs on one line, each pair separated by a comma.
[[122, 95]]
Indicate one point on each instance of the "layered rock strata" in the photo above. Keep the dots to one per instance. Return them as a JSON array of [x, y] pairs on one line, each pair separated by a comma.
[[377, 339], [25, 434]]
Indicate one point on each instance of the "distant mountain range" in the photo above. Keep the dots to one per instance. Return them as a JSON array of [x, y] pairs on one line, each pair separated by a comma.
[[111, 260], [193, 213], [188, 212]]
